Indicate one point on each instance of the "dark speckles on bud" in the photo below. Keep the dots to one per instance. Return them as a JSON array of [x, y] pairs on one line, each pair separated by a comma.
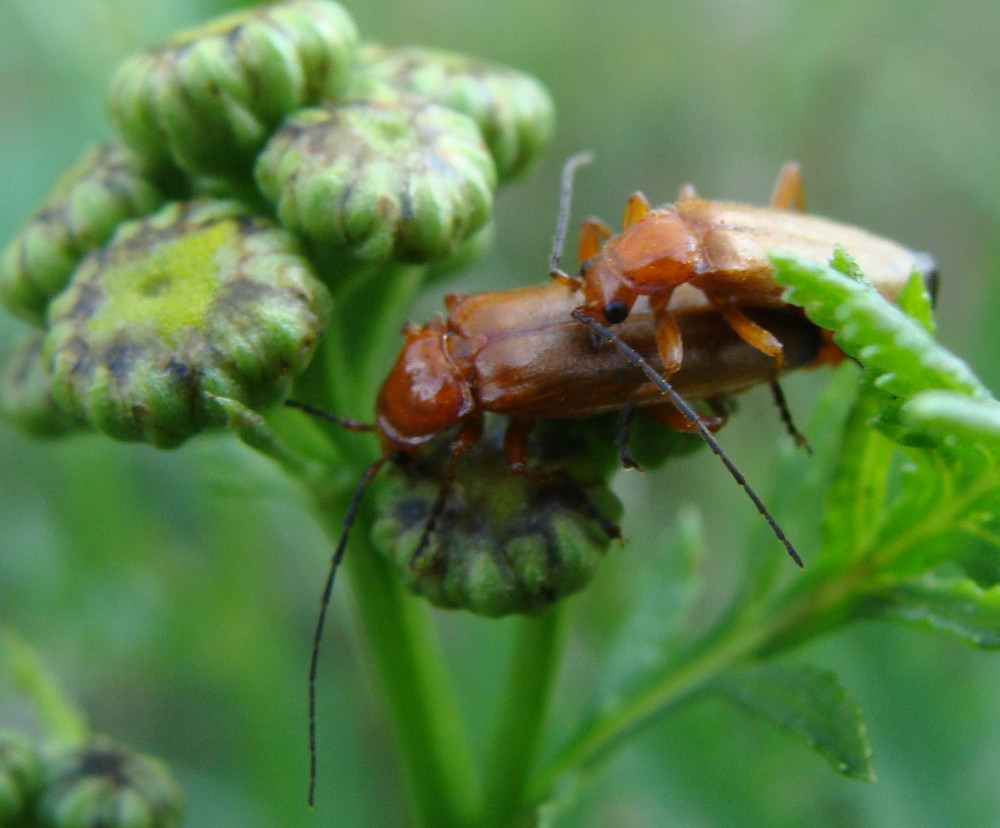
[[503, 544], [196, 302], [389, 179], [107, 186], [513, 111], [208, 98], [107, 786]]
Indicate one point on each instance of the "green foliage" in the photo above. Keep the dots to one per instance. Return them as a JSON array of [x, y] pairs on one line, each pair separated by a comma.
[[810, 704], [909, 528]]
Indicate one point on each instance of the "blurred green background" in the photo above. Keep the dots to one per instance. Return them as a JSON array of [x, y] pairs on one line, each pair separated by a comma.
[[174, 593]]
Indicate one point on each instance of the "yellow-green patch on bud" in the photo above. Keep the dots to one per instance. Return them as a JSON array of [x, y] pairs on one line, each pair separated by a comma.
[[103, 785], [513, 110], [198, 301], [208, 98], [503, 544], [400, 178], [20, 778], [107, 186]]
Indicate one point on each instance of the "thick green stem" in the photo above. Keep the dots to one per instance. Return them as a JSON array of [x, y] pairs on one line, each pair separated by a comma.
[[519, 725], [431, 739]]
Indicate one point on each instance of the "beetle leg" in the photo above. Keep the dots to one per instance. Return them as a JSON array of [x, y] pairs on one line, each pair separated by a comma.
[[801, 441], [788, 193], [749, 331], [593, 234], [675, 420], [468, 435], [621, 438], [668, 333], [635, 208], [515, 447]]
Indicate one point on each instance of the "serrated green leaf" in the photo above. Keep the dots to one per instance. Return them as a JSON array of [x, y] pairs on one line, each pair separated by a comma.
[[856, 497], [916, 302], [958, 606], [876, 333], [950, 419], [812, 705]]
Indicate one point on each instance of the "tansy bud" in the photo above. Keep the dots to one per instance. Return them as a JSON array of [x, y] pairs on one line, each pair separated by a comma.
[[504, 543], [102, 785], [208, 98], [400, 179], [107, 186], [196, 302], [512, 109], [26, 392]]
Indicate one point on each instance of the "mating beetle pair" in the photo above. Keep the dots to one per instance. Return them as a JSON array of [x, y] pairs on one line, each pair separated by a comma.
[[685, 295]]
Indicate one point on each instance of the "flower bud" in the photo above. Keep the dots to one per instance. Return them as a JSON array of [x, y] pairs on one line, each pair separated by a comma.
[[107, 786], [209, 97], [399, 179], [512, 109], [20, 778], [26, 392], [106, 187], [504, 543], [196, 302]]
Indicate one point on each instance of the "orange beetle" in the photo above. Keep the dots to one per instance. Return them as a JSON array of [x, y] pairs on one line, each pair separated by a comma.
[[721, 248]]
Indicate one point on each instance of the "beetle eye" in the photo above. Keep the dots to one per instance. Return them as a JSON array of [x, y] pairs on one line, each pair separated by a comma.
[[400, 457], [616, 312]]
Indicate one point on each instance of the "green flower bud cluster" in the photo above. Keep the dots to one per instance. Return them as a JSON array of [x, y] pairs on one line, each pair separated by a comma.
[[207, 99], [95, 785], [151, 309], [504, 543], [196, 302], [107, 186], [410, 179], [513, 111]]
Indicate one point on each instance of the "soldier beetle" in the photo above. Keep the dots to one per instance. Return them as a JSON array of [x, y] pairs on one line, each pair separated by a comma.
[[694, 273], [721, 248]]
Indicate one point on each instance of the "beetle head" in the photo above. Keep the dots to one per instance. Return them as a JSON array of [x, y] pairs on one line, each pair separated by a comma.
[[424, 395]]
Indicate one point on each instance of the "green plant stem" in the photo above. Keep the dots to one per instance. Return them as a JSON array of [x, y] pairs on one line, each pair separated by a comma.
[[533, 667], [433, 750], [611, 728], [729, 645]]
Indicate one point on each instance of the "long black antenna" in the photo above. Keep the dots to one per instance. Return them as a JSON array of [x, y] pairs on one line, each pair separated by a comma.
[[338, 555], [343, 422], [692, 417]]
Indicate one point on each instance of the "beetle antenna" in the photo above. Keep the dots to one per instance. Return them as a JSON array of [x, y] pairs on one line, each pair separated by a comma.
[[689, 414], [343, 422], [466, 438], [778, 393], [562, 223], [338, 555]]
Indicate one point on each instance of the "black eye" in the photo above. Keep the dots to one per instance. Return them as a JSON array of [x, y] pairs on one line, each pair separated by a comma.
[[616, 312], [401, 458]]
